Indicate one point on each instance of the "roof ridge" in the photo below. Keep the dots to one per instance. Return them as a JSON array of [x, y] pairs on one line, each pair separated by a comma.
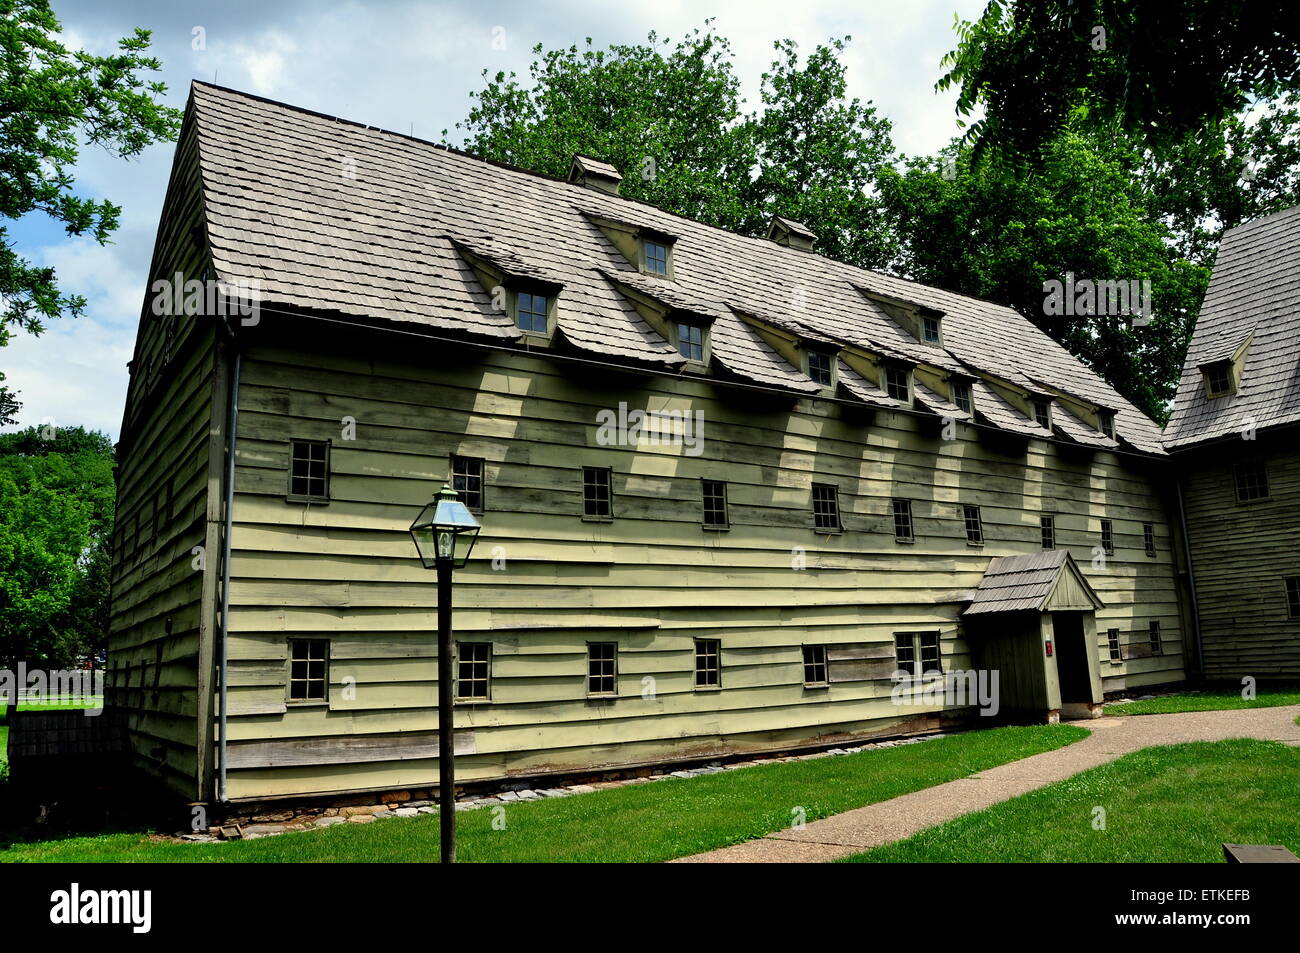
[[561, 180], [1269, 219], [343, 247]]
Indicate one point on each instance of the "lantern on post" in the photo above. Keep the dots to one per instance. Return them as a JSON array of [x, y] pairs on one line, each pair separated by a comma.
[[444, 535]]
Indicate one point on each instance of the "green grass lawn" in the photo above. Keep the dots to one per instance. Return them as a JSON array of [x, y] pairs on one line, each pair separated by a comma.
[[1205, 701], [641, 822], [1170, 804]]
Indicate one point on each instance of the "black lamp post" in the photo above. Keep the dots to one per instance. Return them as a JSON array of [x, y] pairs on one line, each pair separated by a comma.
[[444, 534]]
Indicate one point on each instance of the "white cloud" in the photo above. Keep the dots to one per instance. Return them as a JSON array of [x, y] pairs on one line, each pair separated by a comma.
[[73, 374]]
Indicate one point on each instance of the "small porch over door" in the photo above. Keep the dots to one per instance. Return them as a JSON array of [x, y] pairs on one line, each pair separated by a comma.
[[1033, 621]]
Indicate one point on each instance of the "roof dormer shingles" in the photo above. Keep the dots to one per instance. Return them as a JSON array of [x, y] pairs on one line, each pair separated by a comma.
[[336, 216]]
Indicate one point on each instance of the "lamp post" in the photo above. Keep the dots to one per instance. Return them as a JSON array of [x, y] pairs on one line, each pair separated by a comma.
[[444, 534]]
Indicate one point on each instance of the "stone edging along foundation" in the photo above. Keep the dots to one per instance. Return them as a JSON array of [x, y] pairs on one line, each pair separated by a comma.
[[404, 804]]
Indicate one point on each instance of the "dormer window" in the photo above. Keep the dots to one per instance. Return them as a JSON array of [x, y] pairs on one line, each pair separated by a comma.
[[961, 396], [690, 341], [930, 329], [532, 312], [655, 255], [898, 383], [1218, 379], [821, 367], [1043, 414], [1106, 423]]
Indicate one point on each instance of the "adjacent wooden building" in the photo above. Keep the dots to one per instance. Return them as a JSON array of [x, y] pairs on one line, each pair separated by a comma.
[[1233, 440], [729, 488]]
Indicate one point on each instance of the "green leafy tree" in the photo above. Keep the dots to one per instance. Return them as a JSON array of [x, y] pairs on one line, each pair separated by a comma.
[[51, 100], [819, 155], [1158, 70], [983, 230], [1223, 176], [56, 521], [667, 117], [670, 118]]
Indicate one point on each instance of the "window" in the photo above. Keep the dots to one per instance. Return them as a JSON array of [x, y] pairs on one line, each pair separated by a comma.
[[931, 653], [903, 521], [656, 257], [309, 469], [1107, 537], [1218, 379], [819, 367], [814, 665], [308, 670], [531, 312], [473, 670], [930, 329], [897, 384], [918, 653], [1153, 627], [708, 663], [961, 396], [690, 341], [1047, 531], [974, 525], [597, 496], [1106, 423], [1112, 642], [826, 507], [715, 503], [602, 675], [1293, 596], [905, 652], [1149, 538], [1043, 414], [1252, 482], [467, 480]]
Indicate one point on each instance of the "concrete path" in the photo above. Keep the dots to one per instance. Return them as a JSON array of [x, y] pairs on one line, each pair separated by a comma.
[[855, 831]]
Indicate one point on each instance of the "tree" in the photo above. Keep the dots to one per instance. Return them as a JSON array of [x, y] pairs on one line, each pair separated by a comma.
[[670, 118], [983, 230], [819, 155], [1158, 70], [56, 522], [1243, 168], [50, 98]]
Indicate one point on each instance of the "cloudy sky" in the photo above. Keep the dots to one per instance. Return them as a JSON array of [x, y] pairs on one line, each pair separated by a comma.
[[405, 65]]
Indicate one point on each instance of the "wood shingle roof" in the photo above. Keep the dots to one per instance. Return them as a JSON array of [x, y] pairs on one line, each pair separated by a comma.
[[332, 216], [1025, 583], [1253, 300]]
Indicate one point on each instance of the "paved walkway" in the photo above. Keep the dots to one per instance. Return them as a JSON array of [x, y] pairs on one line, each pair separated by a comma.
[[855, 831]]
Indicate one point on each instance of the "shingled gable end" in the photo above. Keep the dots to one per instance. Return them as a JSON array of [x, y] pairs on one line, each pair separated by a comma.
[[639, 594], [1233, 438]]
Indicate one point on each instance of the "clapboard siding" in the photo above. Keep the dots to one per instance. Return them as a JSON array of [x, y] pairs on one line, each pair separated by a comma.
[[652, 580], [158, 619], [1241, 556]]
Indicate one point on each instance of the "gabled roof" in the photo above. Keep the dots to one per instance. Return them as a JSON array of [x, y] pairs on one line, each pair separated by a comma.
[[781, 224], [1254, 299], [332, 216], [1020, 583]]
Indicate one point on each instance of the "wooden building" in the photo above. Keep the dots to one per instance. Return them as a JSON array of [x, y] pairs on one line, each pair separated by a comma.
[[728, 488], [1233, 440]]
